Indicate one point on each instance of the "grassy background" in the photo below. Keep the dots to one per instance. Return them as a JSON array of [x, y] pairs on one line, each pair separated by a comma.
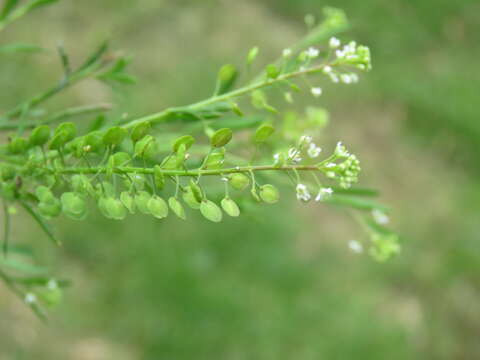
[[279, 283]]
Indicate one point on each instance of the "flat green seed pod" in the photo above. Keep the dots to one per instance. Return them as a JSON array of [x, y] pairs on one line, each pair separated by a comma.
[[40, 135], [190, 199], [141, 201], [74, 206], [221, 137], [239, 181], [230, 207], [157, 207], [128, 201], [211, 211], [186, 140], [114, 136], [269, 194], [140, 130], [177, 207]]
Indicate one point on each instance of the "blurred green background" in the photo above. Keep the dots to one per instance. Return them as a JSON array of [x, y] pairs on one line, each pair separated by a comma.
[[281, 283]]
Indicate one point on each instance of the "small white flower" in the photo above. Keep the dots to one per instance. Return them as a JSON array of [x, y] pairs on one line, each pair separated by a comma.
[[225, 179], [316, 91], [327, 69], [380, 217], [341, 150], [312, 52], [324, 193], [305, 139], [313, 150], [355, 246], [334, 43], [354, 78], [330, 165], [302, 69], [30, 298], [286, 52], [346, 79], [334, 77], [276, 157], [303, 193], [294, 155], [340, 54]]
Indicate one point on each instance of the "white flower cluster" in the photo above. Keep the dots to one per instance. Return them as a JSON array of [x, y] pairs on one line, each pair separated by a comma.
[[355, 55], [324, 193], [312, 52], [346, 173], [355, 246], [302, 193], [380, 217], [313, 150]]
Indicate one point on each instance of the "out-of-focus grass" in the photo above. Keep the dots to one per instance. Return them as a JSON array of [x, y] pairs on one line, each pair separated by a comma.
[[279, 283]]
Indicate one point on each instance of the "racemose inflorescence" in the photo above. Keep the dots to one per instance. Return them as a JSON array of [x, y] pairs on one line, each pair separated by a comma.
[[217, 153]]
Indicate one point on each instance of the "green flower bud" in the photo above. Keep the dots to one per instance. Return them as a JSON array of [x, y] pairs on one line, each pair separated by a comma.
[[141, 201], [190, 199], [186, 140], [114, 136], [221, 137], [82, 185], [157, 207], [269, 194], [74, 206], [51, 296], [211, 211], [177, 207], [230, 207], [128, 201], [180, 157], [40, 135], [239, 181], [272, 71]]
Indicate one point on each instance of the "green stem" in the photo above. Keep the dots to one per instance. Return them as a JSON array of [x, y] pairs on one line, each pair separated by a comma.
[[193, 173]]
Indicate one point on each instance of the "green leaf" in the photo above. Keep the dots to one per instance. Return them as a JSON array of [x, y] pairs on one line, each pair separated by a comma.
[[19, 47], [211, 211], [7, 8], [263, 132], [177, 207], [355, 202], [230, 207], [221, 137]]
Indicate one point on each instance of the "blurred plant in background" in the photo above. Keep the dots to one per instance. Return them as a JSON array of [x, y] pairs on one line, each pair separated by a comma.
[[273, 283]]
